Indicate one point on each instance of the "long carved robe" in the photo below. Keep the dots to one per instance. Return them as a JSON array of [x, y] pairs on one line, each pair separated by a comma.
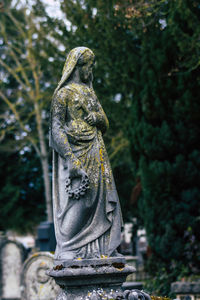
[[90, 226]]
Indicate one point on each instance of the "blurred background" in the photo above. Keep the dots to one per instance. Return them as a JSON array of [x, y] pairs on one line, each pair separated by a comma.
[[147, 77]]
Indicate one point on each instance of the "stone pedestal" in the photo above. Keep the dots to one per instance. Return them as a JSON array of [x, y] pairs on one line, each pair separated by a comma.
[[91, 279]]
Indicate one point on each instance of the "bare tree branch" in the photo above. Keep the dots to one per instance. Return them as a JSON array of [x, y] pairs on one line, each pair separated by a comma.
[[17, 24], [32, 91], [14, 56], [16, 114], [13, 73]]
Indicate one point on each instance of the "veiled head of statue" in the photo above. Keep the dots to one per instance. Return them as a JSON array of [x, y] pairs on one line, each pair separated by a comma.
[[86, 57], [80, 57], [85, 65]]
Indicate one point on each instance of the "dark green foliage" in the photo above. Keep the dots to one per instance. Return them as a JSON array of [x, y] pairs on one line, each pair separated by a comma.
[[166, 130], [22, 204], [148, 52]]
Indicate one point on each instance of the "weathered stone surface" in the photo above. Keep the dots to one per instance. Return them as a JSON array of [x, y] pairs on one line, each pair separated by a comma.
[[36, 285], [87, 213], [80, 282], [11, 260], [94, 274], [90, 262]]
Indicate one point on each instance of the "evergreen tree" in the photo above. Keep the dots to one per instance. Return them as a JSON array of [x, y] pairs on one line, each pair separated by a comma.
[[148, 52], [165, 136], [22, 204]]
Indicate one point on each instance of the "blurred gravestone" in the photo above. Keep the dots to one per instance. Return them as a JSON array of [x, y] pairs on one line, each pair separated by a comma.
[[36, 285], [186, 290], [11, 260], [126, 247], [46, 240]]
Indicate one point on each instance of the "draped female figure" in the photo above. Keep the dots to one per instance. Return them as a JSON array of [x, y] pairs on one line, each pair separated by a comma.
[[87, 213]]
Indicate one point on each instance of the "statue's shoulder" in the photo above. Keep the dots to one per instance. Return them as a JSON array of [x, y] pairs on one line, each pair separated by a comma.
[[69, 92], [73, 87], [62, 93]]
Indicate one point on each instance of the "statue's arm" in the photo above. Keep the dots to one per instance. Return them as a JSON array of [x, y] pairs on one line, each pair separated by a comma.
[[59, 139], [98, 119], [101, 119]]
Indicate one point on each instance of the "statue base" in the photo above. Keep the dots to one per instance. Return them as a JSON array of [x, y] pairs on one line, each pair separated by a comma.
[[91, 278]]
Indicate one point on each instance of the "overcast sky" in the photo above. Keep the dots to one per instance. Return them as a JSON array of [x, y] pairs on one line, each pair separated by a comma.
[[52, 6]]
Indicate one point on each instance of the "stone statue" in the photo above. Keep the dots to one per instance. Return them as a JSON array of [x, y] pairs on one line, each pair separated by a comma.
[[87, 213]]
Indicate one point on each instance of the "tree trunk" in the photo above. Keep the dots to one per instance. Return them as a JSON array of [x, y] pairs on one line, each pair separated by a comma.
[[47, 188], [44, 163]]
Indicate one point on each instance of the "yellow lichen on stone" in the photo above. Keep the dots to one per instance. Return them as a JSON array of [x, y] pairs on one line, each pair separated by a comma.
[[101, 154], [102, 161], [104, 256], [35, 254], [77, 163]]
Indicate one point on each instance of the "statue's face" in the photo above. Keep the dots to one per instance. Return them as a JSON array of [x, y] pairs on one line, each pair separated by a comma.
[[85, 69], [86, 72]]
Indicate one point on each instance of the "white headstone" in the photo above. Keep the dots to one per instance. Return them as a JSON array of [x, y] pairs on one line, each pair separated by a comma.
[[11, 256], [36, 285]]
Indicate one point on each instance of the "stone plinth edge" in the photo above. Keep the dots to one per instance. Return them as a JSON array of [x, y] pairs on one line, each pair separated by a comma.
[[102, 279], [98, 281], [101, 275], [115, 261]]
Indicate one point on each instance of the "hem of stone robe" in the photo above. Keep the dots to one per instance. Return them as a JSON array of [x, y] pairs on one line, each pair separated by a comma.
[[110, 218]]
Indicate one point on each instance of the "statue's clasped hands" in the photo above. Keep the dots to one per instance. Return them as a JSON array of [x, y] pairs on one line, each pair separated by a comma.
[[91, 119], [77, 172]]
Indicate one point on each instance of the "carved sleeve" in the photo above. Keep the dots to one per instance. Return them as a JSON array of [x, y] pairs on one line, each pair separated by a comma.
[[58, 134], [101, 119]]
